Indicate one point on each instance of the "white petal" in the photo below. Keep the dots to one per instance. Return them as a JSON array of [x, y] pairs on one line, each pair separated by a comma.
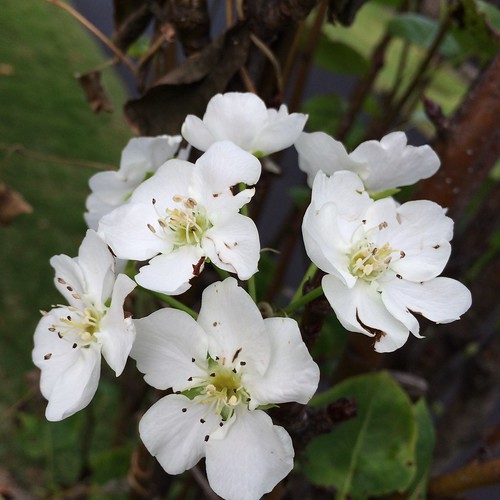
[[292, 375], [197, 133], [170, 273], [391, 163], [146, 154], [126, 231], [116, 334], [424, 234], [280, 132], [234, 245], [234, 325], [318, 151], [97, 264], [360, 309], [222, 166], [69, 376], [112, 188], [236, 117], [441, 300], [96, 210], [167, 342], [176, 437], [69, 279], [251, 459], [171, 179]]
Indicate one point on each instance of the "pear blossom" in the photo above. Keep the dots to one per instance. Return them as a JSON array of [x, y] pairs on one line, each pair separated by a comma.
[[187, 213], [382, 260], [69, 339], [223, 367], [141, 158], [243, 119], [382, 165]]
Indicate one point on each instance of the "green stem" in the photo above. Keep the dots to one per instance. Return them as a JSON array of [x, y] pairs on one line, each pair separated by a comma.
[[309, 274], [177, 304], [303, 300]]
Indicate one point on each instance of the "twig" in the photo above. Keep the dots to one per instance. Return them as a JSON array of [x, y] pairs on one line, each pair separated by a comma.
[[104, 39], [62, 160], [272, 59], [203, 483], [473, 475]]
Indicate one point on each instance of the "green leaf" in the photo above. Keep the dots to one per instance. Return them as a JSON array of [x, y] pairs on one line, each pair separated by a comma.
[[338, 57], [325, 113], [373, 453], [300, 195], [421, 31], [426, 439]]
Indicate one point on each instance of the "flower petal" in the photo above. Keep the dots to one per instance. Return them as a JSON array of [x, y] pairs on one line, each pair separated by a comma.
[[360, 309], [234, 245], [173, 432], [292, 375], [97, 265], [252, 457], [423, 234], [170, 273], [126, 230], [391, 163], [167, 342], [234, 325], [69, 279], [318, 151], [441, 300], [112, 188], [281, 131], [116, 334], [69, 375], [195, 131], [146, 154]]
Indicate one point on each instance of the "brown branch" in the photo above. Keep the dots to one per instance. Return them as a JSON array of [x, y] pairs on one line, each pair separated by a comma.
[[473, 475], [104, 39]]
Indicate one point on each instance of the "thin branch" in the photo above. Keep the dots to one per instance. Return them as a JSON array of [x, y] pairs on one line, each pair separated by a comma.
[[272, 59], [62, 160], [104, 39], [473, 475]]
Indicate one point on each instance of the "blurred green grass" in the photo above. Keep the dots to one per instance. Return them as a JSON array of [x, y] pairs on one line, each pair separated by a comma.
[[43, 109]]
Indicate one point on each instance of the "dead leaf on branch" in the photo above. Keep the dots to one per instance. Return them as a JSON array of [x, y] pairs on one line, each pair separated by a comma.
[[12, 204], [94, 91], [188, 88]]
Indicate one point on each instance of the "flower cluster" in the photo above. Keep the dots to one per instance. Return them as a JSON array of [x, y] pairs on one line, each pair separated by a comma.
[[170, 218]]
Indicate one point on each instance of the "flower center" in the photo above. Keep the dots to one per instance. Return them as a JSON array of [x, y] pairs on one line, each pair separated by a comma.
[[78, 327], [369, 261], [223, 390], [187, 224]]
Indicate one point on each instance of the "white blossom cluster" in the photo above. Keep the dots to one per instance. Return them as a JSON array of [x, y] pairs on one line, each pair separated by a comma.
[[381, 262]]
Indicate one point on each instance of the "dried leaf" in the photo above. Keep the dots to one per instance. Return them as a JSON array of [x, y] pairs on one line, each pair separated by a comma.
[[188, 88], [94, 91], [131, 18], [6, 69], [12, 204]]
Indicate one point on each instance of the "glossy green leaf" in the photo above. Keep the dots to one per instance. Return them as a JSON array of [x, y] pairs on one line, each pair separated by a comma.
[[426, 439], [338, 57], [421, 31], [373, 453]]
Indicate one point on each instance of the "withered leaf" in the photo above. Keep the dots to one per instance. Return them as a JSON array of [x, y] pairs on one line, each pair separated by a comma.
[[12, 204], [131, 18], [94, 91], [188, 88]]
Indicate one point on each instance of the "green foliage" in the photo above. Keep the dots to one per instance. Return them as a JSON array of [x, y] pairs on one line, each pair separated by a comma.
[[373, 453], [339, 57], [325, 113]]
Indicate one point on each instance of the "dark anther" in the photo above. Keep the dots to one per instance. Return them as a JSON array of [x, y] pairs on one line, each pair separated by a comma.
[[202, 421], [184, 410], [75, 345], [207, 437], [236, 354]]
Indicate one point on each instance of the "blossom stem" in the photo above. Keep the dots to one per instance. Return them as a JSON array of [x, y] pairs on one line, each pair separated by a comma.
[[176, 304], [309, 274], [303, 300]]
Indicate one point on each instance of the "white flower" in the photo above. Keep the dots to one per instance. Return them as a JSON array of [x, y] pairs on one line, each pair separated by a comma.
[[222, 368], [141, 157], [69, 340], [186, 213], [243, 119], [382, 260], [383, 165]]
